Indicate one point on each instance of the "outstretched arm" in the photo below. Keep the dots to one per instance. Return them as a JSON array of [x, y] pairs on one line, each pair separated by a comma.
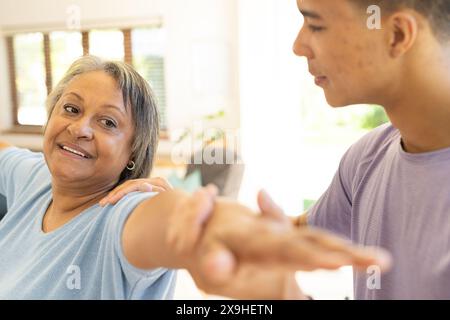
[[233, 241], [159, 184]]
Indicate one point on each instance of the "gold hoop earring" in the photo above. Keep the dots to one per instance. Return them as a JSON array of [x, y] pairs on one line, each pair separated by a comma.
[[131, 165]]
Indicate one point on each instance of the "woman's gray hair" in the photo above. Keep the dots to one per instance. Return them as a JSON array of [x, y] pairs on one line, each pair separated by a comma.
[[137, 94]]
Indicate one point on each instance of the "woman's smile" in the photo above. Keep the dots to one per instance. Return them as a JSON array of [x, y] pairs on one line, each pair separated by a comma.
[[72, 150]]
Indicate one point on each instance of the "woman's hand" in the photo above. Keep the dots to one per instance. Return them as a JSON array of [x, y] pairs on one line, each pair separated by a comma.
[[143, 185]]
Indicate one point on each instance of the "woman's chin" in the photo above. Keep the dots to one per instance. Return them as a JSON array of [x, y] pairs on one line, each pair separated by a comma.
[[67, 174]]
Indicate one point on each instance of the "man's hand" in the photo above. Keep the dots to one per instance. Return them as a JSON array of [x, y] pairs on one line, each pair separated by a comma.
[[241, 254], [143, 185], [246, 280], [253, 281]]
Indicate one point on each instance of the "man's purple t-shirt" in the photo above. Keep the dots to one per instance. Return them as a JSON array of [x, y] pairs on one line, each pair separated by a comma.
[[384, 196]]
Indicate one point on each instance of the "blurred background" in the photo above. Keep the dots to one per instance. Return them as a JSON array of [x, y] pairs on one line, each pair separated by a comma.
[[237, 107]]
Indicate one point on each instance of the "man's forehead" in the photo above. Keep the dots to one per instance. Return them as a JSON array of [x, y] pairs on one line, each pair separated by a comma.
[[323, 9]]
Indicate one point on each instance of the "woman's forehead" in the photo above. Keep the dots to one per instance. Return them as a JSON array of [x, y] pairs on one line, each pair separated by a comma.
[[96, 86]]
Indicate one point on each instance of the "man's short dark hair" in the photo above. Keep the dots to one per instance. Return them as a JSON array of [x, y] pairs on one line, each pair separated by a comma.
[[436, 11]]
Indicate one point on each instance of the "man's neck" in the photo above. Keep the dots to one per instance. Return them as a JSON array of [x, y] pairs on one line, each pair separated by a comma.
[[422, 115], [423, 132]]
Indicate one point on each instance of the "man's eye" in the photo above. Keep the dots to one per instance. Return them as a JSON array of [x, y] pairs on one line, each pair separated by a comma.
[[108, 123], [71, 109], [315, 28]]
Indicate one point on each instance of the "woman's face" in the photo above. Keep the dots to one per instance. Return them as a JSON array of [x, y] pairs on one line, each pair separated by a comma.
[[89, 135]]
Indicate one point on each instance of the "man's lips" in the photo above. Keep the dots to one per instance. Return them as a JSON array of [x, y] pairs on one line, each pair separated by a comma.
[[320, 80], [75, 150]]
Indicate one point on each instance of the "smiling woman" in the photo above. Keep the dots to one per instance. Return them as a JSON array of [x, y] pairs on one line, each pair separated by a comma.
[[115, 86], [57, 242]]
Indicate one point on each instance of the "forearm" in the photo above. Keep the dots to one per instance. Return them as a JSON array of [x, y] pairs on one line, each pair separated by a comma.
[[145, 240], [145, 237]]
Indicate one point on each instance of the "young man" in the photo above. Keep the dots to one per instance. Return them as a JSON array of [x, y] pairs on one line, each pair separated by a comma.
[[392, 186]]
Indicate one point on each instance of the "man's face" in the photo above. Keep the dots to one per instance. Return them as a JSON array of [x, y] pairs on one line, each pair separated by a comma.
[[88, 137], [348, 60]]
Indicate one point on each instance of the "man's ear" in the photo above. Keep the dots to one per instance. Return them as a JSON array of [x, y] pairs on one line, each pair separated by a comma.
[[403, 28]]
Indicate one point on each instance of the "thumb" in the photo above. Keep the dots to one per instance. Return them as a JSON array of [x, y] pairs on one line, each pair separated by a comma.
[[268, 207], [218, 265]]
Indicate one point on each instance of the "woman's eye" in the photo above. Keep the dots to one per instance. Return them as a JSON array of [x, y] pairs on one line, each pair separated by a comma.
[[71, 109], [108, 123], [315, 28]]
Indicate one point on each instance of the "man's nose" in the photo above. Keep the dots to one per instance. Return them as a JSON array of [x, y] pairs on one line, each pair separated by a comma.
[[300, 46]]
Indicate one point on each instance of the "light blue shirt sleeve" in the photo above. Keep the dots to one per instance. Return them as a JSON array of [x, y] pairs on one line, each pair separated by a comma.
[[139, 279], [17, 168]]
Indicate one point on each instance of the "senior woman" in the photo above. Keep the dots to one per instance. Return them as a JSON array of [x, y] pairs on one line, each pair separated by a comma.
[[58, 242]]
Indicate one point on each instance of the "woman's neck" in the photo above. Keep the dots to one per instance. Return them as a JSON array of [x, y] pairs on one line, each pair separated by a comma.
[[73, 197], [68, 202]]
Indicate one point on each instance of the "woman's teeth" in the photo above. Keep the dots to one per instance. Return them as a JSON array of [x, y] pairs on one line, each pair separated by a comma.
[[74, 151]]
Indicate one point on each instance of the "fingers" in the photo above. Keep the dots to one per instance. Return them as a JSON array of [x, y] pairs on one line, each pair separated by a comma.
[[160, 182], [212, 190], [140, 185], [306, 250], [187, 224], [362, 257], [294, 253], [377, 257], [115, 195], [155, 189], [269, 208]]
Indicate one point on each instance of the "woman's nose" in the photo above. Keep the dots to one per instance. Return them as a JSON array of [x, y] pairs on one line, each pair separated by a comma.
[[81, 129]]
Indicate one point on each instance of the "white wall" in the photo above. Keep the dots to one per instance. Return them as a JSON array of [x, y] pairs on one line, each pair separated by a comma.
[[270, 85], [30, 13], [202, 60], [197, 84]]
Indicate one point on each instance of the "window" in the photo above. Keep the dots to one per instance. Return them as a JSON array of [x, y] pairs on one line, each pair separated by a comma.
[[65, 48], [30, 78], [39, 60], [107, 44], [148, 58]]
